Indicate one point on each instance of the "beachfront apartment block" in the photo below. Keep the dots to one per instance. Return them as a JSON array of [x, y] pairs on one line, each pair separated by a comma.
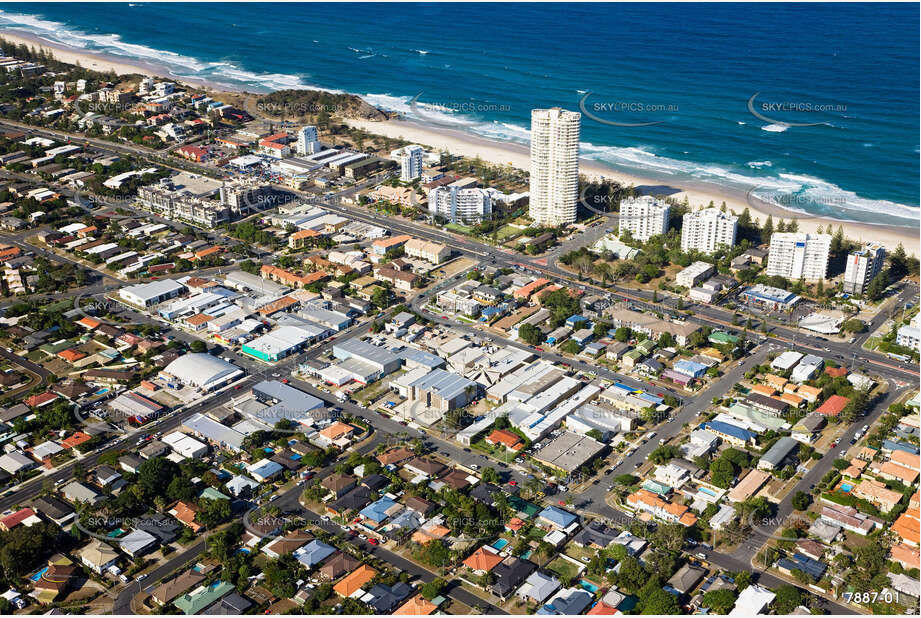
[[643, 216], [796, 256], [554, 188], [460, 205], [308, 140], [862, 266], [707, 230], [409, 158]]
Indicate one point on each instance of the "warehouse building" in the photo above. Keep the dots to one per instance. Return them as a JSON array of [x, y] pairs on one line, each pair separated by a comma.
[[382, 360], [153, 293], [278, 344], [202, 371]]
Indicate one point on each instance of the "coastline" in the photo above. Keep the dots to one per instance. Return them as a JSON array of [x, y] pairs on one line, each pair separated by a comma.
[[98, 61], [504, 153], [507, 153]]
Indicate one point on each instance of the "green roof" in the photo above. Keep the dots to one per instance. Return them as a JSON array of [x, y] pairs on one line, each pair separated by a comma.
[[647, 346], [213, 494], [656, 487], [634, 355], [200, 598], [721, 337], [523, 506]]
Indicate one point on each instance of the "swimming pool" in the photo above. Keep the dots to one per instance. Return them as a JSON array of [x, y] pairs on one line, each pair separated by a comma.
[[846, 487], [500, 544], [526, 555], [38, 575], [102, 391], [707, 490], [588, 585]]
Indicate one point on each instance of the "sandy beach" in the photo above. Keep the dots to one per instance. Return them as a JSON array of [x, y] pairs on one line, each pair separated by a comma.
[[517, 155], [104, 62], [508, 153]]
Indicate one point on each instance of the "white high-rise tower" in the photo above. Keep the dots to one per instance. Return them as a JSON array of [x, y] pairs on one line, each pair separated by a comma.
[[554, 192], [308, 140], [410, 161]]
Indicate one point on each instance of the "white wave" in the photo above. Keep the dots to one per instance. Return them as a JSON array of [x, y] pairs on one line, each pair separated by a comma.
[[421, 51], [176, 64], [759, 164], [740, 122], [775, 128]]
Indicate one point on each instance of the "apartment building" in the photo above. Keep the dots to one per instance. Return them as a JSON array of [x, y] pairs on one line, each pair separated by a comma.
[[409, 158], [707, 230], [455, 204], [554, 189], [799, 256], [862, 266], [644, 217], [433, 252]]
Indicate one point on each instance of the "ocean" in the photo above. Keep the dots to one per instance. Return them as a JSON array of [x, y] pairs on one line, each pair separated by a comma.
[[811, 106]]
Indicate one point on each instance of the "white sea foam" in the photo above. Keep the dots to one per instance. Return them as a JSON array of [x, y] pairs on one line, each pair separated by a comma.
[[177, 64], [638, 159]]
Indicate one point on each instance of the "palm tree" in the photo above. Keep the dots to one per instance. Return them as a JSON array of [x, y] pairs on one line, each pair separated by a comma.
[[603, 272]]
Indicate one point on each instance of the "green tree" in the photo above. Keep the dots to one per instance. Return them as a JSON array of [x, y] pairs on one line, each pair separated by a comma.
[[788, 598], [198, 346], [719, 601], [530, 334], [801, 501]]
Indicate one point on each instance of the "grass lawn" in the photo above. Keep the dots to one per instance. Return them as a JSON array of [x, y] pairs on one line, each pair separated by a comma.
[[371, 392], [563, 568], [574, 551], [507, 232], [456, 227]]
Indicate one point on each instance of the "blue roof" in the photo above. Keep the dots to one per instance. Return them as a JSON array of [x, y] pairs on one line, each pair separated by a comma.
[[314, 553], [814, 568], [576, 318], [690, 368], [730, 430], [558, 516], [893, 445], [377, 511]]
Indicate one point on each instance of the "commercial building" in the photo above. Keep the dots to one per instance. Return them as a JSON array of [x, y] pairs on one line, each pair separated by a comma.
[[460, 205], [280, 343], [694, 274], [569, 451], [202, 371], [799, 256], [770, 298], [643, 216], [862, 266], [707, 230], [442, 390], [409, 159], [380, 360], [153, 293], [554, 188]]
